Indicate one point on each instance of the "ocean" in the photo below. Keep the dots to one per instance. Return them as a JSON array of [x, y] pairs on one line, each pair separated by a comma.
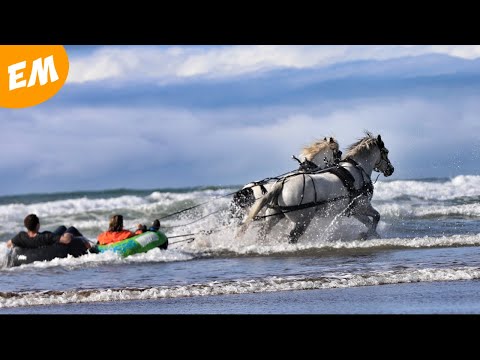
[[427, 260]]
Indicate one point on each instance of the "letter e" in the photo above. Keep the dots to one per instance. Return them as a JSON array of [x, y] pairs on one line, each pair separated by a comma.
[[14, 76]]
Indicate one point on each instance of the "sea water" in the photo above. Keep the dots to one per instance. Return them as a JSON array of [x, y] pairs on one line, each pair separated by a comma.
[[426, 261]]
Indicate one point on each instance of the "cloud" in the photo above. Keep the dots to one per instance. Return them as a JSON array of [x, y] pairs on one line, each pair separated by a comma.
[[141, 135], [165, 64], [100, 148]]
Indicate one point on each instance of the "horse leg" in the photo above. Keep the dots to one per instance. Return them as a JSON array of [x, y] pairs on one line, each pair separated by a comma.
[[364, 218], [375, 220], [299, 228], [273, 217]]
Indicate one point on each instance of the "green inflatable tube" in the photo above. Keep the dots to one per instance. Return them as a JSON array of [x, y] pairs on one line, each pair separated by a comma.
[[137, 244]]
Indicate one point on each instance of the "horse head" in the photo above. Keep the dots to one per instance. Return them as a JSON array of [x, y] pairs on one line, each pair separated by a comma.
[[383, 164], [323, 153], [371, 152]]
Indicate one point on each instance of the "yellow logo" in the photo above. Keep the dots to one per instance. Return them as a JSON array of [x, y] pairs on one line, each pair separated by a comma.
[[31, 74]]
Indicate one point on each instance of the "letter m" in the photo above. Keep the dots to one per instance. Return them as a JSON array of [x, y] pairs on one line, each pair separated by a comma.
[[42, 70]]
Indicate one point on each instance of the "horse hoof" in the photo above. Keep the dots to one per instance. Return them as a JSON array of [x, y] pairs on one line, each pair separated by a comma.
[[369, 235], [238, 234], [363, 236]]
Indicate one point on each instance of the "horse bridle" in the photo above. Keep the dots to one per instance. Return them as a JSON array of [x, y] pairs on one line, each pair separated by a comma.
[[337, 156], [383, 151]]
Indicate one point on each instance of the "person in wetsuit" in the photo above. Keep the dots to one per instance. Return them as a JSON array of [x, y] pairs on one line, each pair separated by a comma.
[[141, 228], [116, 232], [32, 238]]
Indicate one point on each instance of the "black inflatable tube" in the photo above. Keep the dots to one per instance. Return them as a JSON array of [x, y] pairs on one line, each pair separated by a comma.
[[19, 256]]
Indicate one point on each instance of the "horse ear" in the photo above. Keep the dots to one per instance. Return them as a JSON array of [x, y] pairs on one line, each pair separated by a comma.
[[325, 138], [379, 140], [331, 140]]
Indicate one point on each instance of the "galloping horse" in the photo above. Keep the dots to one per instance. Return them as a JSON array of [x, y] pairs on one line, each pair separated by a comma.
[[346, 189], [318, 155]]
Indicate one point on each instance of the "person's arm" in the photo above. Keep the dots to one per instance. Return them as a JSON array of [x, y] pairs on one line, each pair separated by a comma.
[[140, 229], [15, 241]]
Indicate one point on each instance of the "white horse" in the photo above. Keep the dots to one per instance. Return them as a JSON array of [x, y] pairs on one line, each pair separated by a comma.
[[343, 190], [319, 155]]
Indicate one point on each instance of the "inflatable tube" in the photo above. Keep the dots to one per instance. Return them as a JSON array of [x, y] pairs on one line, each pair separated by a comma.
[[137, 244], [19, 256]]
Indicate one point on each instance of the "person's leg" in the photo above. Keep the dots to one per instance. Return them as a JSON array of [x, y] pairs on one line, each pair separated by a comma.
[[73, 230], [60, 230], [155, 225]]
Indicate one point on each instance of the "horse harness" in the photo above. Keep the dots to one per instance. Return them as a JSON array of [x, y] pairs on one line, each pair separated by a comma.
[[347, 180], [245, 198]]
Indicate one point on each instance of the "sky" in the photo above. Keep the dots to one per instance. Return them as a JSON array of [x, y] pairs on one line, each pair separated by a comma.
[[152, 117]]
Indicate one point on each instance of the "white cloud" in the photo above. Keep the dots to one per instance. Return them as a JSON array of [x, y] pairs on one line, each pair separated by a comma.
[[461, 51], [168, 64], [82, 145]]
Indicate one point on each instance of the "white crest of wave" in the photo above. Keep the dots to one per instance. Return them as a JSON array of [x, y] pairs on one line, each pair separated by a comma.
[[85, 213], [247, 286], [411, 210], [168, 197], [459, 186], [17, 212]]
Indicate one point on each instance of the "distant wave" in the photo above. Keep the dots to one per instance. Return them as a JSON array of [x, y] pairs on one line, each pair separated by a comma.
[[457, 187], [429, 211], [92, 214], [85, 204]]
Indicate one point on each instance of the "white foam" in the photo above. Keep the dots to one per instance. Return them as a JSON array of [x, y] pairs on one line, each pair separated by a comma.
[[411, 210], [459, 186], [243, 286], [17, 212], [199, 194], [342, 234], [108, 257], [322, 233], [12, 215]]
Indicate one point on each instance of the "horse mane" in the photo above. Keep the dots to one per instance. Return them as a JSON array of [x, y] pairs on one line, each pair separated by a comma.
[[362, 145], [310, 151]]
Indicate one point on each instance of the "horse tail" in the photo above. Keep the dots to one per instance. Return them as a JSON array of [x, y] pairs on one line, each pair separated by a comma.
[[274, 192], [260, 204]]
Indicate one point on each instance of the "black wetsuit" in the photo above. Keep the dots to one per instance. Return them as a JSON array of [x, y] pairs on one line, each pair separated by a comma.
[[41, 239]]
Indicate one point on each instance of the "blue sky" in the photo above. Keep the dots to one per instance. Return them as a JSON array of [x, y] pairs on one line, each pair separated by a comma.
[[175, 116]]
